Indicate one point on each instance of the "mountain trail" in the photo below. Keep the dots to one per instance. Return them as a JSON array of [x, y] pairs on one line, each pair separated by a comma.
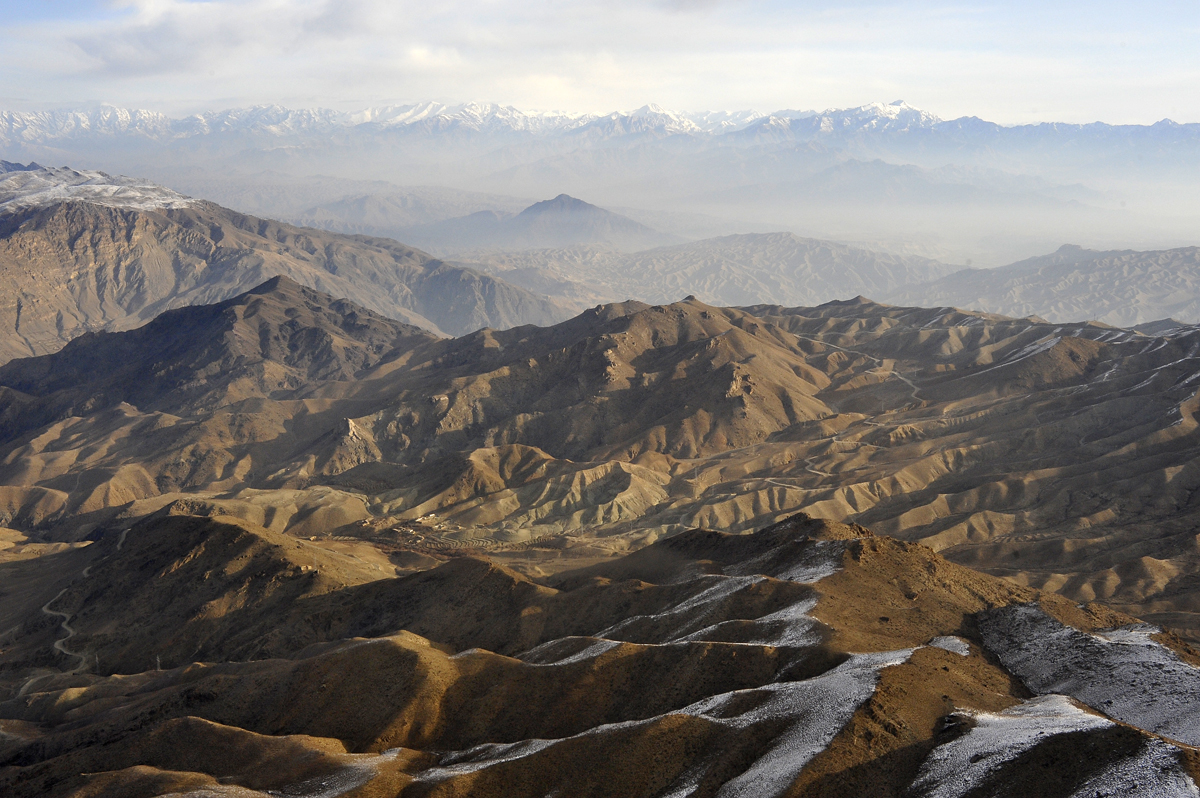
[[892, 372], [60, 645]]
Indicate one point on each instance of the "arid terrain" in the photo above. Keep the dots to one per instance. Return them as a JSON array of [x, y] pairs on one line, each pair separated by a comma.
[[730, 270], [83, 251], [215, 657], [1124, 287], [267, 529], [1061, 456], [675, 399]]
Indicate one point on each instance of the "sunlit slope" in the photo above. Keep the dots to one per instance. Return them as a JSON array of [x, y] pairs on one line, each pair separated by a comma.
[[810, 658], [1061, 455], [71, 266]]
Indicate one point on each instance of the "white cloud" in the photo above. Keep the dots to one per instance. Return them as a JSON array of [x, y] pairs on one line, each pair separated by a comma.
[[953, 58]]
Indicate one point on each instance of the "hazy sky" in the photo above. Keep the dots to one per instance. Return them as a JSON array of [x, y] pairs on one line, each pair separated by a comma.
[[1009, 62]]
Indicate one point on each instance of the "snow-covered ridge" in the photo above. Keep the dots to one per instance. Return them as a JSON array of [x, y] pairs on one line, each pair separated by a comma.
[[276, 122], [29, 127], [431, 118], [1124, 672], [38, 186]]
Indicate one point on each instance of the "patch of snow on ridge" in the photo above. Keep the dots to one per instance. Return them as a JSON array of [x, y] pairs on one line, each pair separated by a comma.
[[568, 650], [817, 560], [49, 186], [343, 781], [790, 626], [814, 711], [1121, 672], [1154, 772], [955, 645], [959, 766], [687, 616], [486, 755], [824, 559], [820, 708]]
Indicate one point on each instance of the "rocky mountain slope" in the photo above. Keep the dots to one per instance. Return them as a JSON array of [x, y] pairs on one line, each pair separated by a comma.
[[807, 659], [1122, 288], [278, 337], [1062, 456], [82, 251], [730, 270]]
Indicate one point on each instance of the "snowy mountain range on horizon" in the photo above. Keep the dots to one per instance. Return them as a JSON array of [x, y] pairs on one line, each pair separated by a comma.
[[30, 127], [887, 175]]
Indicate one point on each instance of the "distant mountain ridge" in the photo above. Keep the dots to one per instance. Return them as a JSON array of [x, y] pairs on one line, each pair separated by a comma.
[[747, 269], [433, 117], [881, 172], [559, 222], [1123, 288]]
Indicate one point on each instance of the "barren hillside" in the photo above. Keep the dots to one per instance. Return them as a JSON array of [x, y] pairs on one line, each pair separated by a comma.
[[107, 256], [808, 659], [1060, 455]]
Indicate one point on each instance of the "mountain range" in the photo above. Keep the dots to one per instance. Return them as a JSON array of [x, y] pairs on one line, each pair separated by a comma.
[[336, 461], [83, 251], [559, 222], [1123, 288], [283, 544], [809, 659], [902, 125], [1059, 455], [887, 175], [730, 270]]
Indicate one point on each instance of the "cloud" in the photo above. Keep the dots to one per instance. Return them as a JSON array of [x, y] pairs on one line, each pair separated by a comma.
[[954, 58]]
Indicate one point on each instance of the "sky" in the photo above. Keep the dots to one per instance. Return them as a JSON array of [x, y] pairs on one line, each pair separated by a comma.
[[1013, 62]]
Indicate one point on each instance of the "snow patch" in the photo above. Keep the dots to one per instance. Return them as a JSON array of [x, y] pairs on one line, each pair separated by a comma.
[[488, 754], [819, 709], [49, 186], [565, 651], [343, 781], [1120, 672], [815, 710], [790, 626], [959, 766], [955, 645], [817, 560], [1154, 772], [690, 614]]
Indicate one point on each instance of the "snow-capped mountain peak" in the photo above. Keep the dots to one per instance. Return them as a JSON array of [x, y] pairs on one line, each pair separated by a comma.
[[882, 116]]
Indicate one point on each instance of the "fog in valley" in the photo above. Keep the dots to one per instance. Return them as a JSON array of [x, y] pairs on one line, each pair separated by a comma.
[[883, 176]]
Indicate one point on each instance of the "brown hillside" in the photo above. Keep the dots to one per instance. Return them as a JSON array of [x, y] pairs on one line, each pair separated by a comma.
[[1061, 455], [810, 658], [78, 267]]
